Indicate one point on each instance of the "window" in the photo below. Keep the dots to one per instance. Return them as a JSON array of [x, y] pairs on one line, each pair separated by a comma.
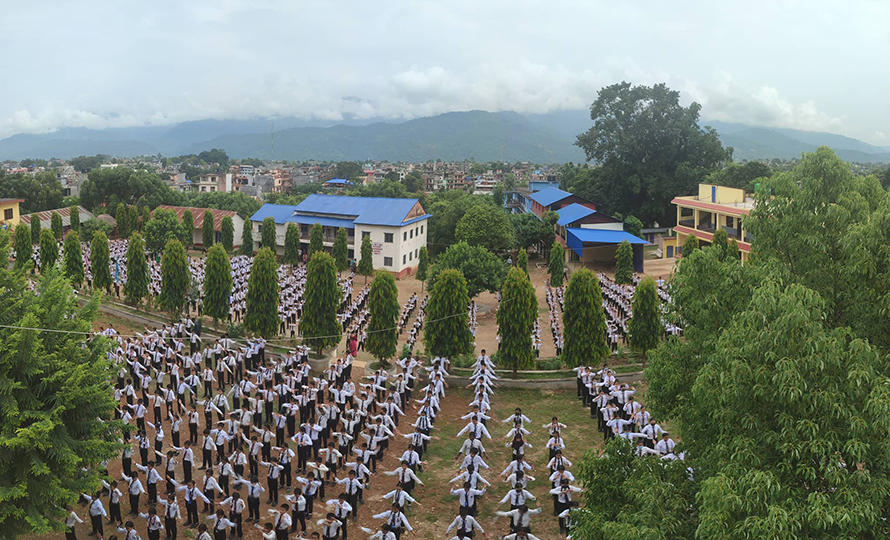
[[403, 259], [415, 253], [412, 233], [366, 234], [404, 236], [387, 237], [7, 214], [387, 261], [421, 229], [409, 256]]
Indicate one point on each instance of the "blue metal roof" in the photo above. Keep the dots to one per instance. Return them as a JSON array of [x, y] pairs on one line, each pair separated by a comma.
[[338, 181], [572, 213], [604, 236], [285, 213], [548, 196], [338, 209]]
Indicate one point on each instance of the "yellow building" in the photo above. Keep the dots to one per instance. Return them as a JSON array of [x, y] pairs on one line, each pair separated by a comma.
[[9, 213], [714, 207]]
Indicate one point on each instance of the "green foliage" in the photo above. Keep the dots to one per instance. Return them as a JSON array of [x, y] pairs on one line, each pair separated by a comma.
[[90, 227], [133, 217], [516, 316], [99, 261], [24, 250], [386, 188], [269, 234], [414, 181], [522, 261], [549, 364], [85, 164], [56, 225], [349, 170], [127, 186], [447, 209], [174, 278], [341, 250], [227, 233], [316, 239], [35, 230], [633, 225], [73, 259], [383, 304], [584, 321], [423, 263], [366, 261], [319, 325], [482, 269], [136, 287], [690, 245], [217, 283], [447, 332], [244, 205], [291, 244], [497, 195], [163, 227], [721, 242], [485, 225], [262, 295], [146, 217], [740, 175], [645, 326], [123, 221], [216, 155], [41, 191], [247, 239], [649, 149], [624, 263], [734, 249], [74, 217], [49, 251], [530, 231], [207, 230], [557, 265], [188, 228]]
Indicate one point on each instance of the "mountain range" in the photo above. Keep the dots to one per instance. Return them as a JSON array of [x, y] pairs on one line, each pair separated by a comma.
[[480, 135]]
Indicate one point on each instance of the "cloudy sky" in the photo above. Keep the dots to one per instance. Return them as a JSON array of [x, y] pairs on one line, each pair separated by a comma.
[[814, 64]]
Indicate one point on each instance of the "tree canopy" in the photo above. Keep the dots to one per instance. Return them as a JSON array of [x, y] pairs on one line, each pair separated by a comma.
[[447, 331], [340, 251], [624, 263], [482, 269], [383, 304], [263, 295], [174, 278], [24, 250], [319, 325], [485, 225], [291, 244], [269, 234], [136, 287], [188, 228], [516, 316], [41, 191], [366, 262], [645, 326], [49, 250], [55, 224], [316, 238], [73, 262], [557, 265], [208, 234], [584, 321], [227, 233], [247, 239], [124, 185], [163, 227], [99, 261], [217, 283]]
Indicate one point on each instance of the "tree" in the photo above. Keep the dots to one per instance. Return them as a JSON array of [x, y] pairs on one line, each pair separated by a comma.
[[207, 230], [624, 263], [269, 234], [383, 303], [133, 217], [146, 217], [56, 225], [414, 181], [340, 251], [740, 175], [447, 209], [174, 278], [35, 229], [90, 227], [227, 233], [49, 251], [247, 239], [57, 409], [690, 245], [645, 325], [497, 195], [482, 269], [263, 295], [217, 284], [41, 191], [557, 265], [584, 321], [516, 317], [734, 249], [316, 239], [649, 149], [188, 228], [319, 325], [291, 244], [485, 225], [423, 262], [73, 259], [530, 231], [366, 262], [123, 221], [348, 170], [633, 225], [124, 185], [99, 261], [447, 331], [24, 250], [136, 287], [74, 217], [522, 260], [163, 227], [721, 242]]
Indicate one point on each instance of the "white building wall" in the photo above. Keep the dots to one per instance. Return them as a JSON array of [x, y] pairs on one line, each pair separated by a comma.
[[406, 241]]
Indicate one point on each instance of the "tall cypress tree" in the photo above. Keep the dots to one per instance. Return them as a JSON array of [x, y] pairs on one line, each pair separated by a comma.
[[721, 242], [319, 325], [341, 250], [447, 328], [123, 221], [35, 229], [383, 304], [516, 318], [645, 326], [24, 250], [522, 260], [423, 265], [146, 217], [133, 217], [73, 259], [690, 245], [227, 233], [174, 278], [269, 235], [207, 230], [584, 321], [557, 266], [247, 239], [366, 262], [316, 239], [55, 224], [74, 217], [136, 287], [624, 263], [262, 295], [49, 250], [188, 229], [217, 284], [99, 261], [291, 244]]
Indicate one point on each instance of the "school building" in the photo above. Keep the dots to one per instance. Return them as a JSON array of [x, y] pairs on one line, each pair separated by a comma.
[[715, 207], [9, 213]]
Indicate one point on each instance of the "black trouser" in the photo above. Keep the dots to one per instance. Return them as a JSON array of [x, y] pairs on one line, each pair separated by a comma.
[[253, 508], [154, 534], [193, 433], [207, 456], [300, 517], [70, 535], [170, 527], [134, 503], [273, 490], [254, 465], [286, 474], [153, 493], [191, 512], [127, 466], [353, 502], [114, 512], [236, 519], [186, 472], [96, 522]]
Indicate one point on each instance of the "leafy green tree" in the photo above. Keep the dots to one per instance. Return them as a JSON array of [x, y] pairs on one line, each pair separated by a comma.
[[217, 284], [633, 225], [485, 225], [383, 303], [56, 225], [291, 244], [645, 326], [146, 217], [530, 231], [447, 331], [174, 278], [99, 261], [584, 321], [136, 287], [423, 263], [90, 227], [649, 149], [414, 182], [734, 249], [247, 239], [124, 185], [721, 242], [188, 228], [244, 205], [740, 175], [227, 233], [269, 234], [24, 250], [207, 230], [690, 245], [516, 317], [319, 325], [482, 269], [73, 259], [624, 263], [49, 251], [557, 265], [340, 250], [348, 170], [262, 295], [40, 191], [35, 229], [366, 262], [522, 261], [497, 195], [163, 227], [133, 217], [74, 217], [316, 239], [123, 221]]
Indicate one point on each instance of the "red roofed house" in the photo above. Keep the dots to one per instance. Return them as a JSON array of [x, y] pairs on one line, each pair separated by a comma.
[[218, 215]]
